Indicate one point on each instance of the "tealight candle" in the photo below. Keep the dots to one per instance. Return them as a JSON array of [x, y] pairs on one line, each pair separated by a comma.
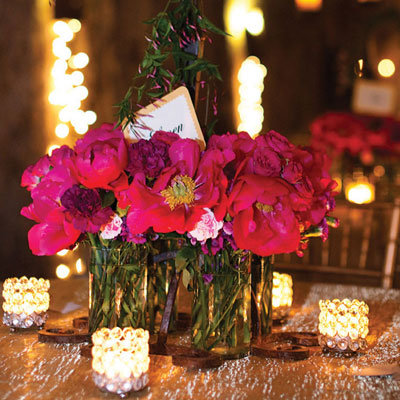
[[282, 295], [343, 325], [25, 302], [120, 359]]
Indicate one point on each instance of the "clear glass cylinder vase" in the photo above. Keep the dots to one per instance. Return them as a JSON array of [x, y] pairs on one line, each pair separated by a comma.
[[261, 285], [221, 319], [118, 286]]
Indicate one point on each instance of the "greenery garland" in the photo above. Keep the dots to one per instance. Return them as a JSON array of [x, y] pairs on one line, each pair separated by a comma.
[[170, 59]]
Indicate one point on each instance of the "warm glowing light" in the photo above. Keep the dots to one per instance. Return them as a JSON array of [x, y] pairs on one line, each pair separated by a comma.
[[282, 292], [60, 27], [77, 78], [25, 301], [79, 266], [255, 21], [62, 253], [74, 25], [90, 117], [386, 68], [251, 76], [360, 192], [309, 5], [51, 148], [63, 271], [81, 128], [62, 131], [80, 92], [236, 20], [343, 325], [120, 359], [379, 171], [64, 53], [79, 61]]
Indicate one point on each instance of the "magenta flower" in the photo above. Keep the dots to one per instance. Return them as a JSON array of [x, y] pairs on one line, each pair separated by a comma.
[[83, 209], [52, 235], [101, 158]]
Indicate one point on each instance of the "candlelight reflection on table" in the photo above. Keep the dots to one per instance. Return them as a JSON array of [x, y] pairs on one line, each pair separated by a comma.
[[282, 295]]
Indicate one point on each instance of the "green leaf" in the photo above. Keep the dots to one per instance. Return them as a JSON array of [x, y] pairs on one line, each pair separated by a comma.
[[131, 267], [183, 257], [107, 199], [186, 277], [122, 211]]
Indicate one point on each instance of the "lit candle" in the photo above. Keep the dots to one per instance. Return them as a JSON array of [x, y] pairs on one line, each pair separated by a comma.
[[120, 359], [343, 325], [282, 295], [25, 302], [309, 5], [360, 192]]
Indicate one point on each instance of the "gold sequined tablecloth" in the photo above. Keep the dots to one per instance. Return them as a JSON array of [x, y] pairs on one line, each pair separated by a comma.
[[33, 370]]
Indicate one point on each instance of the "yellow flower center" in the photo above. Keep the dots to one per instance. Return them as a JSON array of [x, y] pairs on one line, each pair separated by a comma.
[[264, 207], [180, 192]]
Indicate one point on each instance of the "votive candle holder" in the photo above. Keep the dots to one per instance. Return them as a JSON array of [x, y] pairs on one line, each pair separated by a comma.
[[26, 302], [120, 359], [343, 325]]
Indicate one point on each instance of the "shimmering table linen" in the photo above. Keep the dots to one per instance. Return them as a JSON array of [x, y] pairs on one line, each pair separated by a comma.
[[33, 370]]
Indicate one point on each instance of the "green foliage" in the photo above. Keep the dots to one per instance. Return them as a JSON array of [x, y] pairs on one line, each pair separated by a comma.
[[170, 60]]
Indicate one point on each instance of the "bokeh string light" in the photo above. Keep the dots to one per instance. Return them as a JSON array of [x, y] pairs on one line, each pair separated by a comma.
[[251, 77], [68, 90]]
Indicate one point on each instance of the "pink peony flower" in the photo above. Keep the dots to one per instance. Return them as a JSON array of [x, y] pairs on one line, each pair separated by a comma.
[[101, 158], [112, 229], [55, 233], [207, 228], [264, 221], [178, 197]]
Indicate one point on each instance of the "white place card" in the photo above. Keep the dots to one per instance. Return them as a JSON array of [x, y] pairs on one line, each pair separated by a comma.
[[172, 113], [376, 98]]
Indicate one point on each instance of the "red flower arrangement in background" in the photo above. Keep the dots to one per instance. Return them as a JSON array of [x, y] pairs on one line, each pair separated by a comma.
[[340, 132]]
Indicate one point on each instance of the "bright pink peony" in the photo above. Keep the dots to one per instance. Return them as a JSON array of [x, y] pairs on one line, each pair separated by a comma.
[[52, 235], [264, 221], [177, 200], [101, 158]]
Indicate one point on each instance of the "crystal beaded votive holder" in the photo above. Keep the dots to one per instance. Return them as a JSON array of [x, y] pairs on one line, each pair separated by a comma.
[[282, 295], [343, 325], [25, 302], [120, 359]]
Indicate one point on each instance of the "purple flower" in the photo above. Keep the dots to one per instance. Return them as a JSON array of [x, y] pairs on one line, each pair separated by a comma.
[[149, 157], [207, 278], [83, 209]]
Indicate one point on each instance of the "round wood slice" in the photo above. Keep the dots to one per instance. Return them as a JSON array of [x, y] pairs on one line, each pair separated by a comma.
[[86, 351], [61, 335], [285, 351], [81, 323], [197, 359]]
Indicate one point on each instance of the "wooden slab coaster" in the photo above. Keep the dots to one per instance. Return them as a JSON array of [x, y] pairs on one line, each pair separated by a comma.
[[65, 336], [286, 345], [197, 359], [81, 322], [86, 350], [284, 351]]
